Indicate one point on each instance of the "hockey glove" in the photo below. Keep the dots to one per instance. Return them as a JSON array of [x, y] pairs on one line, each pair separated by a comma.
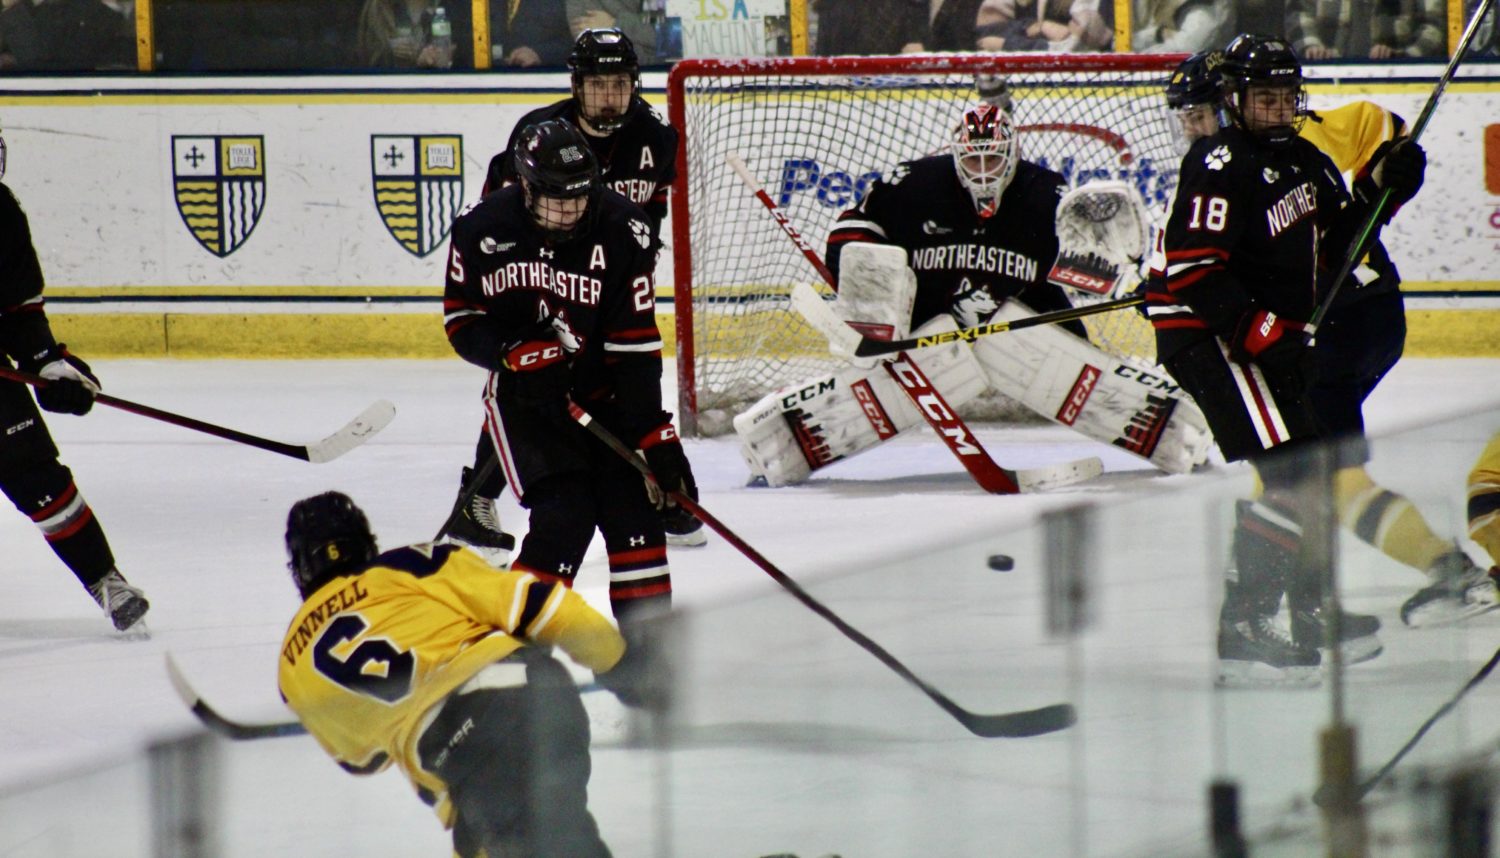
[[1399, 165], [634, 682], [537, 372], [669, 464], [1278, 346], [72, 386]]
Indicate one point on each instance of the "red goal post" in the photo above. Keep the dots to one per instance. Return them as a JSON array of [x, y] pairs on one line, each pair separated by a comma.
[[816, 132]]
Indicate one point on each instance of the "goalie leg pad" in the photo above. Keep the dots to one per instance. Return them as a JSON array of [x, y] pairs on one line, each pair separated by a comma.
[[1121, 403], [798, 429]]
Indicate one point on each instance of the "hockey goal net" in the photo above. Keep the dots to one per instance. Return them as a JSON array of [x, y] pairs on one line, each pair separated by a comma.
[[816, 132]]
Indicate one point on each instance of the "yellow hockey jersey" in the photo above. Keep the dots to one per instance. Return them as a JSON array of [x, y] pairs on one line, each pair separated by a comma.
[[1349, 135], [369, 654]]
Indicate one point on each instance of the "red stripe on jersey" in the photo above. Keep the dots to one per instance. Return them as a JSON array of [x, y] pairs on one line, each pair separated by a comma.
[[841, 237], [23, 308], [1182, 281], [56, 506], [1270, 532], [75, 524], [1174, 322], [453, 327], [635, 590], [640, 334], [638, 556], [1196, 253]]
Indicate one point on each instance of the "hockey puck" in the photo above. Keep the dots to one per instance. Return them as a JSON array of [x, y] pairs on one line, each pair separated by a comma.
[[1002, 562]]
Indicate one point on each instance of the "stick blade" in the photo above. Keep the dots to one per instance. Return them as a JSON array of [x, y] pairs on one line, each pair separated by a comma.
[[843, 340], [358, 431], [217, 723], [1056, 476], [1018, 725]]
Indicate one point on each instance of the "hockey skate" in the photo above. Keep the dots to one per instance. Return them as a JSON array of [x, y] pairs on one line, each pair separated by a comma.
[[683, 528], [476, 525], [1357, 639], [1460, 590], [123, 604], [1255, 652]]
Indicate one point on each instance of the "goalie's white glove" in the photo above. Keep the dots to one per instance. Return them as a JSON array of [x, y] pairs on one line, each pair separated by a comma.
[[1102, 236]]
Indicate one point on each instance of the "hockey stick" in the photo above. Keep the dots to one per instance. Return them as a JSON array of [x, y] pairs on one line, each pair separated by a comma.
[[242, 731], [847, 341], [353, 434], [1030, 722], [1357, 250], [1363, 787]]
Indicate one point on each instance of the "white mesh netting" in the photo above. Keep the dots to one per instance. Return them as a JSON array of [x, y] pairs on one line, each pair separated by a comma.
[[816, 132]]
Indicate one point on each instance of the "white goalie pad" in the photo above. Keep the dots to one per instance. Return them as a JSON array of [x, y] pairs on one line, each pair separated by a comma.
[[1101, 235], [876, 290], [1122, 403], [797, 429]]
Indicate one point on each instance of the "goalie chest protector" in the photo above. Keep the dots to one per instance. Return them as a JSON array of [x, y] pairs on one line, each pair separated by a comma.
[[924, 208]]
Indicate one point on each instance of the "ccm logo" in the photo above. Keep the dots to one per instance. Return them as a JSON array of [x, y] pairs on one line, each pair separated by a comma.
[[1083, 388], [871, 406], [541, 356]]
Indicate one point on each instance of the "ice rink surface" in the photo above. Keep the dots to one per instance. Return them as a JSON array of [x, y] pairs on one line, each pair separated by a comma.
[[794, 741]]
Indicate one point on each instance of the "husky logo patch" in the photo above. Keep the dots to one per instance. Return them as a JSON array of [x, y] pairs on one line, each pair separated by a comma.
[[1218, 158], [219, 183], [419, 187]]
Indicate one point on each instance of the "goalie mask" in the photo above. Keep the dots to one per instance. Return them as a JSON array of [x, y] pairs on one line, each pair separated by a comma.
[[985, 152], [606, 78], [1263, 91], [1195, 93], [326, 536], [559, 176]]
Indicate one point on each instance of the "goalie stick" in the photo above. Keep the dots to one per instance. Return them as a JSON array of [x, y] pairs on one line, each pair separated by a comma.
[[1029, 722], [240, 731], [924, 395], [353, 434], [851, 343], [1362, 239]]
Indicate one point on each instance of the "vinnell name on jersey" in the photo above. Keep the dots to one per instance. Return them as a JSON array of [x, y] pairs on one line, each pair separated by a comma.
[[343, 600]]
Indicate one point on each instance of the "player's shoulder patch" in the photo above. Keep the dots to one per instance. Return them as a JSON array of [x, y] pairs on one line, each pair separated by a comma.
[[642, 232]]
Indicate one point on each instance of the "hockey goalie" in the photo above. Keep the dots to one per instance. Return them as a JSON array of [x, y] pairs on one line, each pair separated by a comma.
[[957, 240]]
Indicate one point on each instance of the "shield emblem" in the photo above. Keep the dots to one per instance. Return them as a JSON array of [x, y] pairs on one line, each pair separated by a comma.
[[419, 186], [220, 186]]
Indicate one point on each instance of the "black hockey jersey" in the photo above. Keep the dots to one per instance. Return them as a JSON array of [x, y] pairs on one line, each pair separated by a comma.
[[24, 331], [1251, 227], [639, 161], [503, 276], [924, 208]]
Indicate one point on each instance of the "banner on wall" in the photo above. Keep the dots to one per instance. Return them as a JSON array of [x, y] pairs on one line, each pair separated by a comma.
[[357, 187]]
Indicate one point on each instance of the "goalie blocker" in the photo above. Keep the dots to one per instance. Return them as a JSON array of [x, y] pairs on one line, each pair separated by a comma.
[[799, 428]]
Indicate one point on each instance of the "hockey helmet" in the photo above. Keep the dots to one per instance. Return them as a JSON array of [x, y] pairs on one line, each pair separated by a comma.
[[560, 176], [604, 51], [326, 536], [1196, 81], [985, 151], [1253, 61]]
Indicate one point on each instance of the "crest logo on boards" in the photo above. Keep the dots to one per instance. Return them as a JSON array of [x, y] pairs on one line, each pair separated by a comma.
[[419, 187], [219, 185]]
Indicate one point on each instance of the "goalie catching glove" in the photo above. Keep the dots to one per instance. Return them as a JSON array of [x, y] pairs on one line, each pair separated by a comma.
[[1101, 237], [72, 384]]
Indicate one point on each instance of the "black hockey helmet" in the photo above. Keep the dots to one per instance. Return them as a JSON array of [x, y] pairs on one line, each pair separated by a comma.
[[326, 536], [1262, 61], [554, 160], [604, 51], [1196, 81]]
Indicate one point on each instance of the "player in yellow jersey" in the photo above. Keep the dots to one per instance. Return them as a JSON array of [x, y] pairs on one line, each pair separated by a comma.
[[428, 657], [1360, 340], [1484, 502]]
